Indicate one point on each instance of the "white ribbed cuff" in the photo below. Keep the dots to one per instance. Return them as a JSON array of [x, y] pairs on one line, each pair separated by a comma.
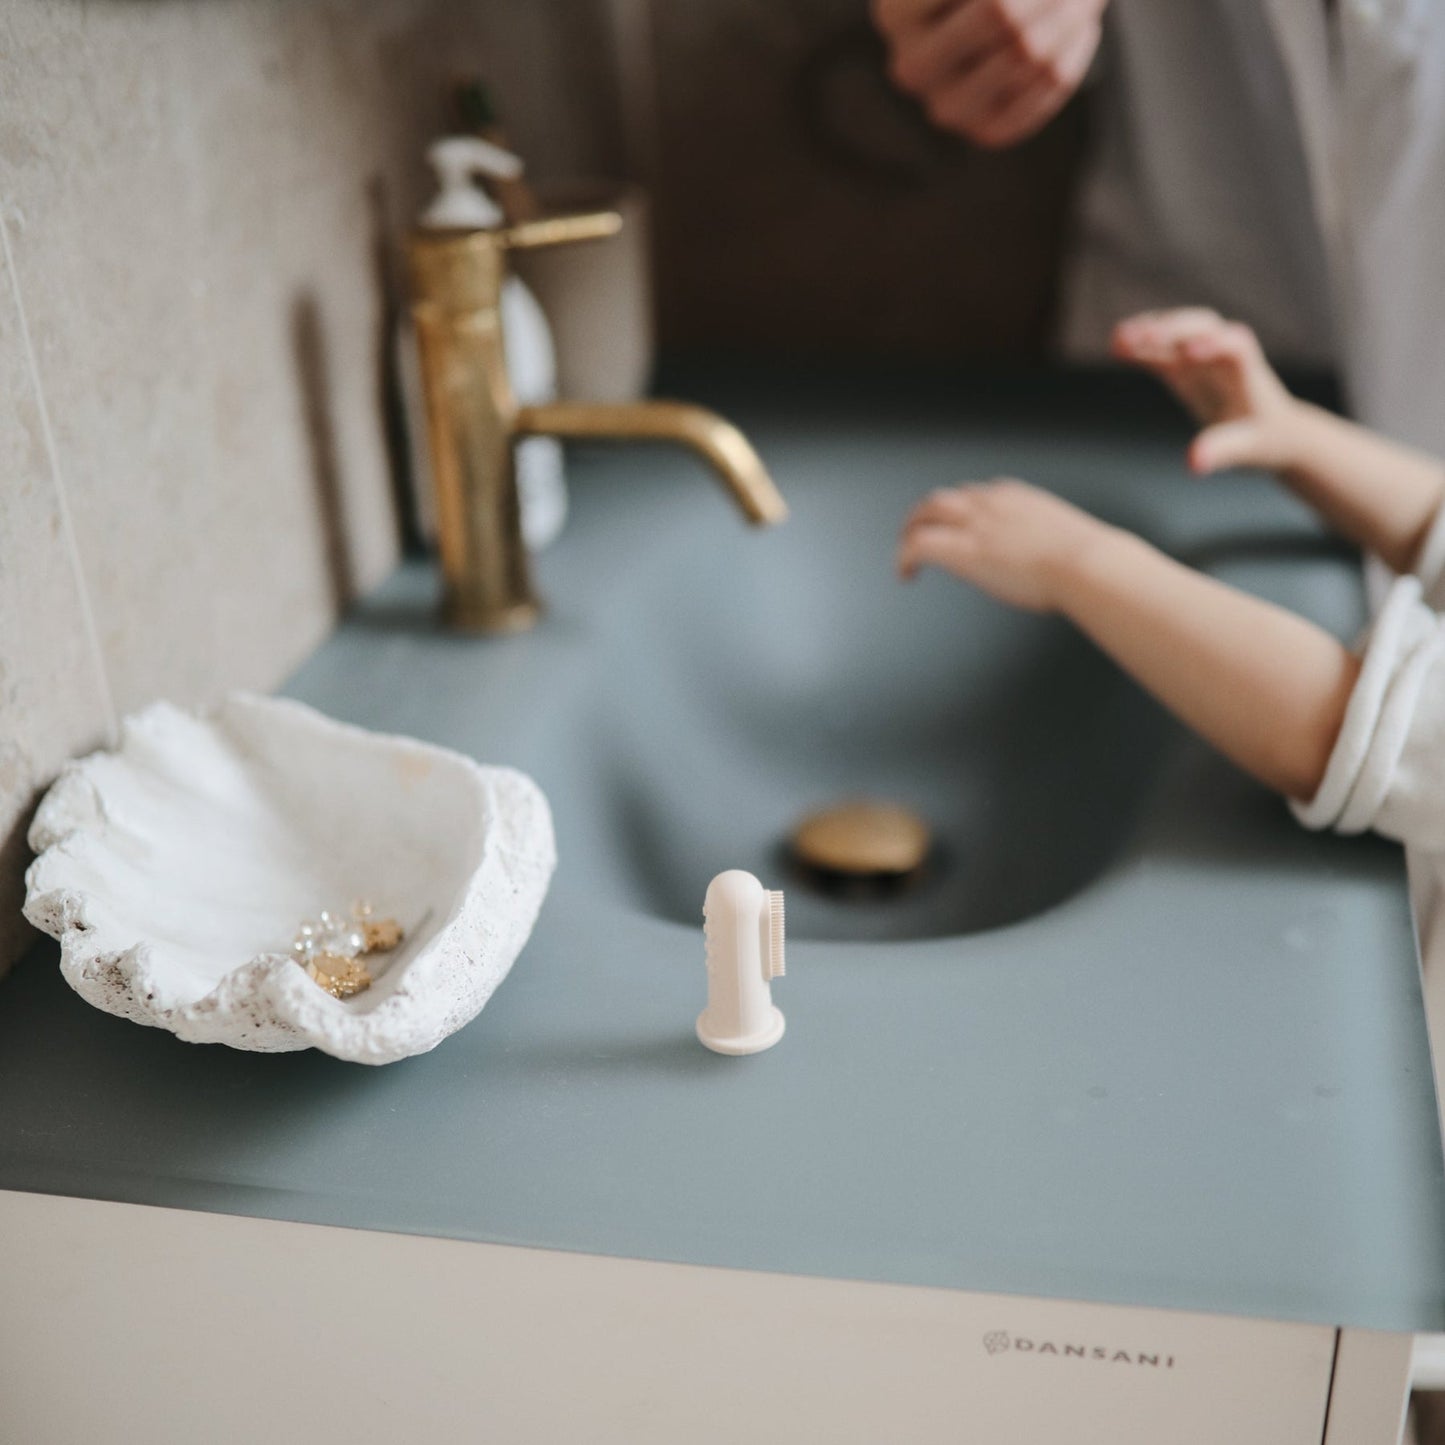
[[1350, 793]]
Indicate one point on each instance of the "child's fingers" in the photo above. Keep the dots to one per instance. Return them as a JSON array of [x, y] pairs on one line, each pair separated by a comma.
[[1211, 365], [1227, 444], [1142, 320], [1145, 348], [1154, 338], [933, 544], [946, 504], [1207, 350], [955, 506], [1136, 339], [1230, 342], [1136, 330], [1172, 328]]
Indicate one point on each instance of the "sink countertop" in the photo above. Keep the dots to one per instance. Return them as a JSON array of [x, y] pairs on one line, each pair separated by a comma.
[[1201, 1081]]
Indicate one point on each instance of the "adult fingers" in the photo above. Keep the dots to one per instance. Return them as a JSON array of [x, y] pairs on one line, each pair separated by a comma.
[[930, 52], [963, 105], [897, 17], [1046, 93]]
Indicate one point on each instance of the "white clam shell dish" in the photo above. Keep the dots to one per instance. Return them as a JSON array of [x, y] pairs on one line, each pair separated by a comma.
[[176, 870]]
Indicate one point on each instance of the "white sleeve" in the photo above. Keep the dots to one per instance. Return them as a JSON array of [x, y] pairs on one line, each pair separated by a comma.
[[1430, 565], [1387, 770]]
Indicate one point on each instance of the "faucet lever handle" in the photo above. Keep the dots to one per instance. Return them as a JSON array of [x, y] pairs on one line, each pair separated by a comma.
[[553, 230]]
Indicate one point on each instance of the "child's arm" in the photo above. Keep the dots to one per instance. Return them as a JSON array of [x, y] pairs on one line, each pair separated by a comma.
[[1378, 494], [1265, 687]]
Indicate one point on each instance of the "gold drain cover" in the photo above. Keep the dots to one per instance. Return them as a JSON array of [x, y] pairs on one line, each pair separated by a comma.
[[863, 838]]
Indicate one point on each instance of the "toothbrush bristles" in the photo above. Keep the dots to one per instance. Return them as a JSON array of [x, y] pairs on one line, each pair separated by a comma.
[[777, 933]]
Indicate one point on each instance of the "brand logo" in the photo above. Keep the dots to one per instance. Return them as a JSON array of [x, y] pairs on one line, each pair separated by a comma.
[[996, 1342]]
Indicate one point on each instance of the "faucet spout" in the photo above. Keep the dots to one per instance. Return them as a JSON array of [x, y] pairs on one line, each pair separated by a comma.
[[473, 420], [715, 440]]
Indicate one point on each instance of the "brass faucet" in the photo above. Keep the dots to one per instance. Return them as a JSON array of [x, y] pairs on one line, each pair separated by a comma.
[[473, 419]]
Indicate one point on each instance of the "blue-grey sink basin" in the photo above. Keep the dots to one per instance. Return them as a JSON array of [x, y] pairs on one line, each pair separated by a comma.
[[751, 678], [733, 681], [1136, 1038]]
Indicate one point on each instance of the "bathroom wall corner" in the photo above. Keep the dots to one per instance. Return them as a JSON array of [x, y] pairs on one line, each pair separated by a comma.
[[53, 696]]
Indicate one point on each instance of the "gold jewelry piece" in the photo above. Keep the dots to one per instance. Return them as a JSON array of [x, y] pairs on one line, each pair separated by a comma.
[[382, 935], [341, 977], [328, 948]]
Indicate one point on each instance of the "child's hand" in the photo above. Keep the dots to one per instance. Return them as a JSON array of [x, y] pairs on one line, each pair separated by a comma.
[[1014, 541], [1217, 369]]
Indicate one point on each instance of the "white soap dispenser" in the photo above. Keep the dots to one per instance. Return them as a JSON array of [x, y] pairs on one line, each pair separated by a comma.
[[531, 360]]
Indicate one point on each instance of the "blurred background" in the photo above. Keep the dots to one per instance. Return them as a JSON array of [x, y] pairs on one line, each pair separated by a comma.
[[803, 203]]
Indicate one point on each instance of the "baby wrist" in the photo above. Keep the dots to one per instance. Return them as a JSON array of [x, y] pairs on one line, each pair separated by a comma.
[[1302, 431], [1100, 558]]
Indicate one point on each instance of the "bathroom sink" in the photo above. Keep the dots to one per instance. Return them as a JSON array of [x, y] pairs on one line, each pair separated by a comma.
[[1134, 1036], [700, 687], [756, 678], [735, 681]]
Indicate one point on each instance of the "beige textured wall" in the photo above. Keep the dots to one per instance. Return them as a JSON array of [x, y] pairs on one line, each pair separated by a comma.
[[195, 197]]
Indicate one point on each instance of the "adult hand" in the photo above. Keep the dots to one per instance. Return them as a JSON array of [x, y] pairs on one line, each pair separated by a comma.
[[993, 71]]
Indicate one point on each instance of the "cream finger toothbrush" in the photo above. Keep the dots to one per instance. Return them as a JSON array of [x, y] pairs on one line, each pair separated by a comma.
[[743, 929]]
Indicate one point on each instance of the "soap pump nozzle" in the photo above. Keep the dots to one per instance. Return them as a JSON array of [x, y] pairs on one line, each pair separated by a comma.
[[458, 160], [743, 930]]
